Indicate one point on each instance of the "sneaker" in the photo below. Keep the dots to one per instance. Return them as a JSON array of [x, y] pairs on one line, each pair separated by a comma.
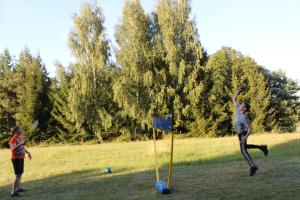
[[21, 190], [265, 150], [15, 195], [253, 170]]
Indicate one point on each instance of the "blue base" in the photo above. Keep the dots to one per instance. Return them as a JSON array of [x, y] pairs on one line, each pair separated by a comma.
[[162, 187]]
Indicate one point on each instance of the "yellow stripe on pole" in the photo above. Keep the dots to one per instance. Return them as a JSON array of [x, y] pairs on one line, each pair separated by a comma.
[[156, 163], [171, 162]]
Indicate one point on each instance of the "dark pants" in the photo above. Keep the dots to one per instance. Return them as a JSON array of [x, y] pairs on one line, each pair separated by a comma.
[[18, 166], [244, 146]]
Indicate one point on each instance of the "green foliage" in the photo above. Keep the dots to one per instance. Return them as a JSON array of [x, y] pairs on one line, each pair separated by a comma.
[[285, 104], [247, 76], [184, 59], [63, 129], [219, 84], [4, 139], [227, 71], [31, 90], [134, 88], [8, 101], [90, 96]]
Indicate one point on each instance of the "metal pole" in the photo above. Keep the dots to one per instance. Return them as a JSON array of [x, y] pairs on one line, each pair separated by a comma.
[[171, 162], [156, 163]]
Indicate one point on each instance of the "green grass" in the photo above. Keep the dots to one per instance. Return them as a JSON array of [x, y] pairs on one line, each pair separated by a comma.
[[204, 169]]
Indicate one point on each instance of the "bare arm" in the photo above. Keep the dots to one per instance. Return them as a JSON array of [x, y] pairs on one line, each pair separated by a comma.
[[234, 99], [29, 155], [14, 147]]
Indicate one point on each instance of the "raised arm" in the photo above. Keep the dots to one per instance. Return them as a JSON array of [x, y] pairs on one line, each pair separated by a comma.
[[234, 99]]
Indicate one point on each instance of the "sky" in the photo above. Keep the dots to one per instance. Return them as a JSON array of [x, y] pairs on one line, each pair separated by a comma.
[[266, 30]]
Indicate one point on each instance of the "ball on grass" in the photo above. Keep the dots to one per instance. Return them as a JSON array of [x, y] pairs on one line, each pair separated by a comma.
[[107, 170]]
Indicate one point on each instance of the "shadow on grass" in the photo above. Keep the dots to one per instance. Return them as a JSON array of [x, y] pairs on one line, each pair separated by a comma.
[[224, 177]]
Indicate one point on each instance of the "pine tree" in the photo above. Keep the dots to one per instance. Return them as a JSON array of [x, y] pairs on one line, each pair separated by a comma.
[[32, 83], [227, 71], [246, 75], [284, 101], [218, 115], [258, 95], [64, 130], [8, 99]]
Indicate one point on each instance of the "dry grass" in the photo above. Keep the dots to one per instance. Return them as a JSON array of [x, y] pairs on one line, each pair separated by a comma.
[[204, 169]]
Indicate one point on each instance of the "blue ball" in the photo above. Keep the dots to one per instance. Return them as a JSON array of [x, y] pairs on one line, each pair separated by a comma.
[[107, 170]]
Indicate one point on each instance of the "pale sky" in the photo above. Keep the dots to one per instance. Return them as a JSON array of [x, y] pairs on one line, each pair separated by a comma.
[[267, 30]]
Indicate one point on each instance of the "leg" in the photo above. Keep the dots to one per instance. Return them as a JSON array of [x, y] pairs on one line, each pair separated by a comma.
[[244, 151], [18, 165], [16, 181], [253, 146], [19, 183], [243, 144], [263, 148], [20, 172], [15, 185]]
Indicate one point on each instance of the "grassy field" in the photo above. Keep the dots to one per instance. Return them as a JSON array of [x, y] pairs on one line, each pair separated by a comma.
[[204, 169]]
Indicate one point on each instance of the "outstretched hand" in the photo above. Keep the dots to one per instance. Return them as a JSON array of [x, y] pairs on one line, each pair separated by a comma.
[[239, 91], [29, 156], [234, 99]]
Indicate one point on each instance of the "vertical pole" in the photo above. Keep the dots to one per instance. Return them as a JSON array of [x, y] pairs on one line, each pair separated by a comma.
[[156, 161], [171, 162]]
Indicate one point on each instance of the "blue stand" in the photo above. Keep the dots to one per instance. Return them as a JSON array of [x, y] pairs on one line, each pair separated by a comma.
[[162, 187]]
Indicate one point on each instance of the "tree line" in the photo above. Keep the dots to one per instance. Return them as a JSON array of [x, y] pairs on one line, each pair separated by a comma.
[[160, 63]]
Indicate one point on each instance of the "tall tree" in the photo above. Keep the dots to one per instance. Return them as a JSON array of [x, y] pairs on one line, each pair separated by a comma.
[[284, 101], [184, 57], [32, 87], [247, 76], [258, 94], [63, 128], [227, 71], [219, 86], [134, 88], [8, 99], [90, 99]]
